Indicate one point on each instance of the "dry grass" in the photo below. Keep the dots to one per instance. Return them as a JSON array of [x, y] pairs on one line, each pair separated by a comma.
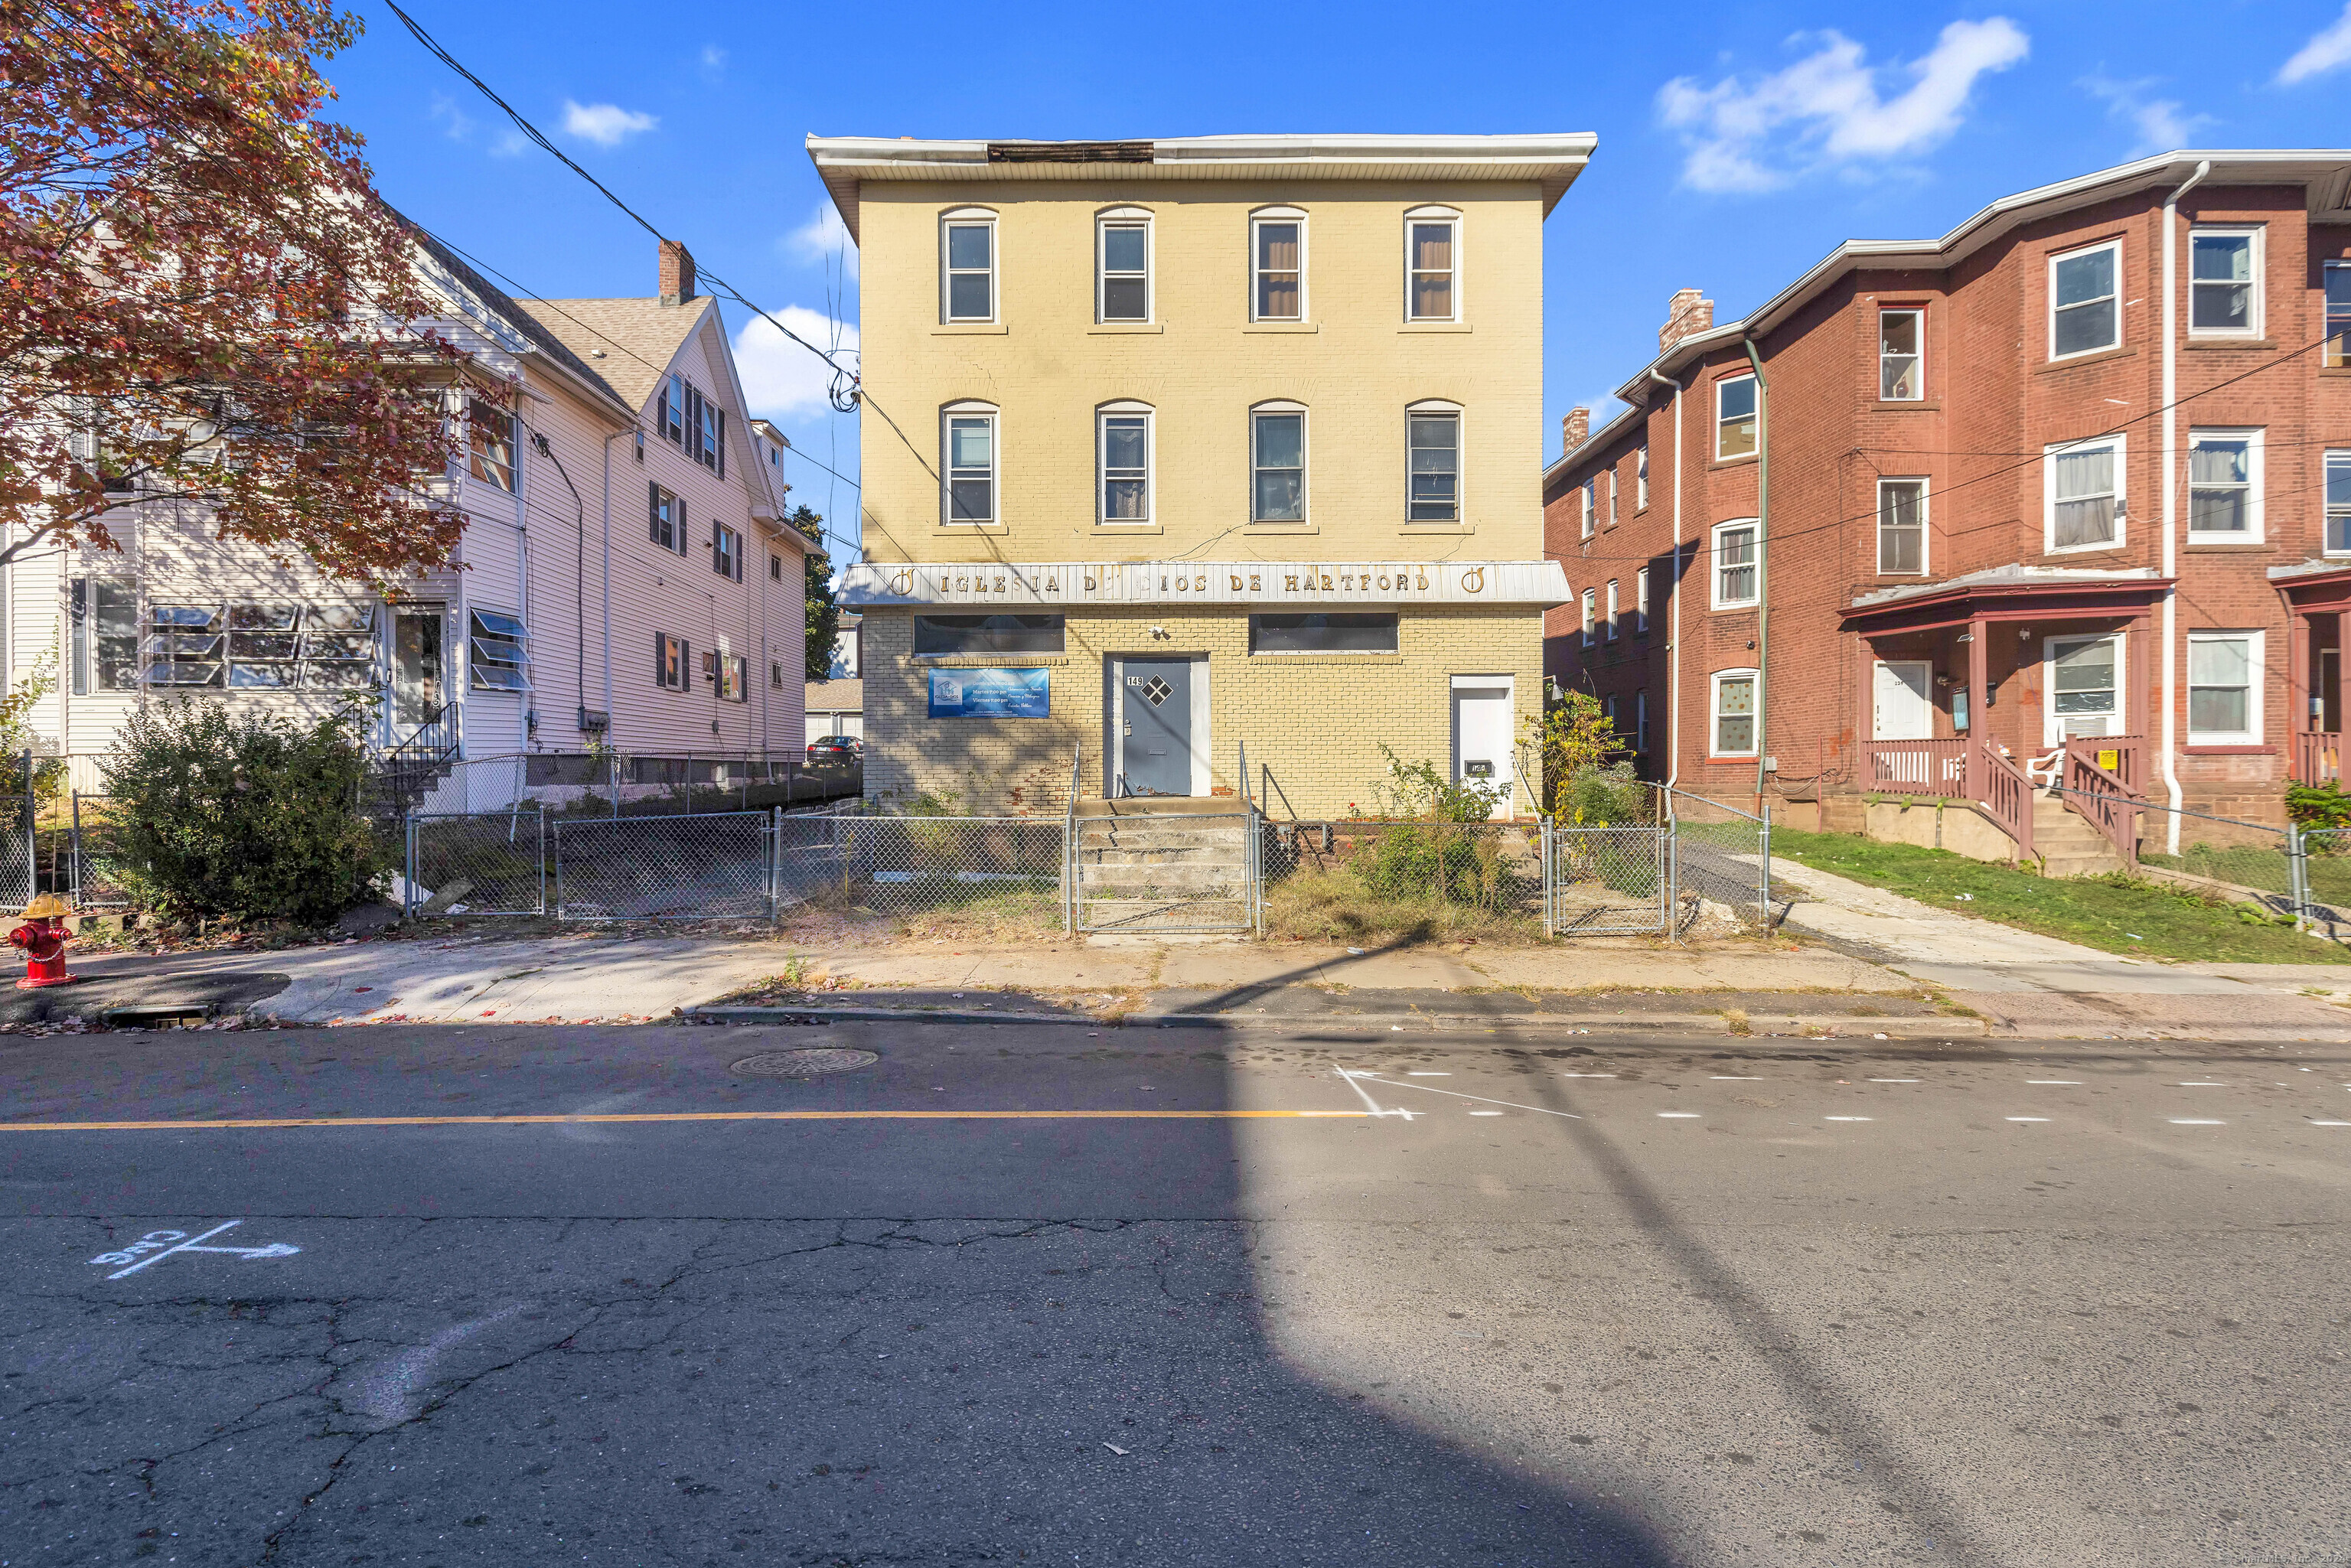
[[1335, 906]]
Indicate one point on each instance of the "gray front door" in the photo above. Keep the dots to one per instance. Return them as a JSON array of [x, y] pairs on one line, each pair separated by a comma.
[[1155, 714]]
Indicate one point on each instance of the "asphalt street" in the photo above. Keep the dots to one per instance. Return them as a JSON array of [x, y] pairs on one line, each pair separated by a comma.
[[1077, 1295]]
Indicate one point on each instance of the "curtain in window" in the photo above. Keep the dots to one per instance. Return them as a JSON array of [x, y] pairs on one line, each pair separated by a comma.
[[2219, 479], [2219, 686], [1734, 711], [2085, 498], [1277, 272]]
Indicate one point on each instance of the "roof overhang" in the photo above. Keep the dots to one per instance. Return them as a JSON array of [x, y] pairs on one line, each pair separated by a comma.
[[1933, 607], [1551, 161], [2324, 173], [2318, 585]]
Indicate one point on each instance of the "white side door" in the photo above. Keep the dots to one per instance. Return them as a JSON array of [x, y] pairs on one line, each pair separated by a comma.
[[1905, 708], [1482, 735]]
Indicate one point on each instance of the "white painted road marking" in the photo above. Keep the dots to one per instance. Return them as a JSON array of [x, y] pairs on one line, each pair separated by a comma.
[[2068, 1083], [2197, 1121], [1894, 1081], [1848, 1118], [2203, 1083], [2316, 1123], [1612, 1075], [1730, 1078], [1371, 1105], [2028, 1118], [130, 1254], [1454, 1094], [1429, 1075], [1484, 1113], [1678, 1115]]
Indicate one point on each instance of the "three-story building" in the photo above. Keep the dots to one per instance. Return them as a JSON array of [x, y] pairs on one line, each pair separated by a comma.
[[1174, 447]]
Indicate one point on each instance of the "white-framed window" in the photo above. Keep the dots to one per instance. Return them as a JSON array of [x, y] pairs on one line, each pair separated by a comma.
[[1433, 448], [968, 463], [1902, 527], [2224, 282], [1641, 602], [1431, 262], [1608, 709], [490, 444], [1901, 355], [1122, 441], [1278, 463], [104, 613], [775, 568], [498, 652], [1591, 617], [1278, 265], [1737, 568], [1589, 507], [1611, 622], [1641, 478], [2338, 353], [734, 674], [2338, 503], [1734, 417], [1612, 497], [2082, 484], [665, 518], [2225, 688], [1733, 710], [2085, 301], [2086, 687], [669, 415], [967, 264], [247, 646], [725, 552], [2224, 486], [1122, 264]]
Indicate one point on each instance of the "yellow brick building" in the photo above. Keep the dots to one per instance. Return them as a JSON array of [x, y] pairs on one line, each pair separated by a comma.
[[1174, 447]]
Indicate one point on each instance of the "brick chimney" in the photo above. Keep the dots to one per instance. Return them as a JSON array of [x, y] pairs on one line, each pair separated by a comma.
[[677, 273], [1574, 428], [1689, 312]]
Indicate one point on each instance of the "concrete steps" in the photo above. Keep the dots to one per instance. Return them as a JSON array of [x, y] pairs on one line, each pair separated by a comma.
[[1178, 866], [2068, 845]]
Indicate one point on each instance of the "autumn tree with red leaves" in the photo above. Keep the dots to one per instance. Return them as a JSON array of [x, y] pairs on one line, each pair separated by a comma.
[[201, 298]]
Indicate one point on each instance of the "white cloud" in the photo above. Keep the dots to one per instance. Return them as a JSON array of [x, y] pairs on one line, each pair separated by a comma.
[[1826, 107], [816, 240], [511, 143], [781, 379], [2328, 49], [605, 124], [455, 123], [714, 62], [2159, 123]]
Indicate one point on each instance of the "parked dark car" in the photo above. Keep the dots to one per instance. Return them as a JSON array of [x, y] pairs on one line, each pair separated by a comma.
[[836, 751]]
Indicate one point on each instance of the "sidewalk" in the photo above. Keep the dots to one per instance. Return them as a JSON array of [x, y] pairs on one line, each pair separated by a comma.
[[1867, 963]]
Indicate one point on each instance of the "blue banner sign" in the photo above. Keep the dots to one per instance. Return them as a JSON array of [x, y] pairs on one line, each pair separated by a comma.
[[991, 694]]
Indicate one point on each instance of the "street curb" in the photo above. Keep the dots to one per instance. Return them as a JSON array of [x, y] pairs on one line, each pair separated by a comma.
[[1935, 1028]]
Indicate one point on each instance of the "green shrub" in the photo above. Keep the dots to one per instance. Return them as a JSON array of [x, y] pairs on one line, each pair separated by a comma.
[[253, 817], [2318, 805]]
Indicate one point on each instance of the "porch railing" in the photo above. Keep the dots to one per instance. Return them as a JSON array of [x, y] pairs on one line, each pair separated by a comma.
[[2105, 798], [2123, 756], [1916, 767], [2317, 757], [2007, 795]]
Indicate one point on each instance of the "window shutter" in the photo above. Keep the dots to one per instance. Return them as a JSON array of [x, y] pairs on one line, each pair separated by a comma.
[[660, 658], [722, 443], [684, 665], [652, 511], [677, 510]]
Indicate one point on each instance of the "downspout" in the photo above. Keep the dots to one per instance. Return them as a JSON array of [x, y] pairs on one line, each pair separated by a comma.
[[2172, 497], [1673, 643], [1762, 580], [608, 583]]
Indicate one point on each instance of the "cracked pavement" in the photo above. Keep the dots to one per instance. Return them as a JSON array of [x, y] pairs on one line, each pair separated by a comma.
[[1631, 1302]]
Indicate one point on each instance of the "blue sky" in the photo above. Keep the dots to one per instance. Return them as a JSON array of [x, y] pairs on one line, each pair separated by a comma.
[[1737, 144]]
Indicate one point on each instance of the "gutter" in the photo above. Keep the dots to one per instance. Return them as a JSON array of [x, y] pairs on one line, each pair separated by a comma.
[[1674, 641], [1762, 579], [2172, 498]]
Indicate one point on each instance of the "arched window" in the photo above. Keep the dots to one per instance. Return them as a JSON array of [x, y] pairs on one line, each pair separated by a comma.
[[1123, 441], [970, 464], [1278, 463], [1278, 265], [1122, 264], [1433, 460], [967, 264], [1432, 264]]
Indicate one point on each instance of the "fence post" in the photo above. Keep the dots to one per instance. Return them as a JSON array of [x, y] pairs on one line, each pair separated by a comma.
[[75, 894], [775, 863], [2297, 868], [1550, 879], [408, 887], [542, 858], [1764, 873]]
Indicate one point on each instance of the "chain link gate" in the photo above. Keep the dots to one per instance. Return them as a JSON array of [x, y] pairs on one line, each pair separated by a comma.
[[1607, 881], [715, 866], [489, 862]]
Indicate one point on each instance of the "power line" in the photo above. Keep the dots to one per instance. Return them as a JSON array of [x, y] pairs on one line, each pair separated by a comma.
[[845, 391], [2055, 449]]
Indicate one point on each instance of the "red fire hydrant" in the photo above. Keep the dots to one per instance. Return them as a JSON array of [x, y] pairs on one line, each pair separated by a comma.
[[42, 939]]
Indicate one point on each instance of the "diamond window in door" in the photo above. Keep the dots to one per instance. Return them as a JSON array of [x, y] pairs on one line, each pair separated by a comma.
[[1157, 690]]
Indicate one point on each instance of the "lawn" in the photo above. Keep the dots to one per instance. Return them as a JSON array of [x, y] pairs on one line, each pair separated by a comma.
[[2117, 915]]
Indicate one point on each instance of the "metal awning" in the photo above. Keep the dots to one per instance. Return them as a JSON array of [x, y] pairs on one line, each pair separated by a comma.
[[2012, 592]]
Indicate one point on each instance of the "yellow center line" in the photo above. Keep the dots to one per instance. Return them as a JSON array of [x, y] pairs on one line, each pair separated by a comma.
[[267, 1122]]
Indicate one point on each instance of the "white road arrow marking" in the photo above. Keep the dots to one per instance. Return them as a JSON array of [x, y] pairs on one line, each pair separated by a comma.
[[272, 1249]]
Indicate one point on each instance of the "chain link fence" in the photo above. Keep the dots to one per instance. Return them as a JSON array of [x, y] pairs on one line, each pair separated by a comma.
[[1610, 881], [477, 863], [621, 783], [2251, 856], [95, 886], [1409, 873], [1722, 855], [2325, 866], [1008, 869], [709, 867]]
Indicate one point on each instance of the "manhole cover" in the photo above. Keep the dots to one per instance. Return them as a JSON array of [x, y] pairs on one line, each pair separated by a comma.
[[810, 1063]]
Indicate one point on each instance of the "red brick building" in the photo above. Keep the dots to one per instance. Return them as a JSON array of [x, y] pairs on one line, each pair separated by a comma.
[[2064, 494]]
